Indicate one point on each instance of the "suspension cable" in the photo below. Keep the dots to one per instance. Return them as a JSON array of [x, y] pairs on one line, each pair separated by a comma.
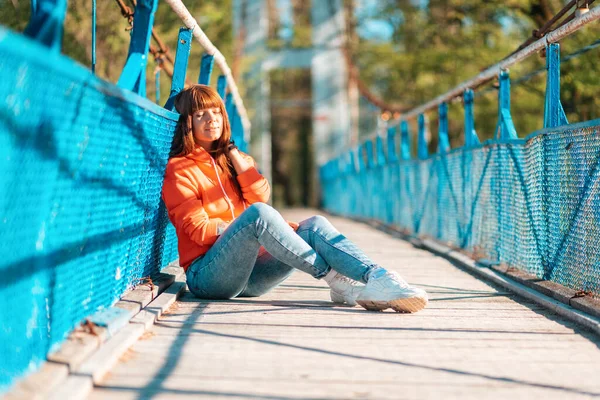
[[94, 37], [533, 74], [536, 35], [492, 72], [539, 33]]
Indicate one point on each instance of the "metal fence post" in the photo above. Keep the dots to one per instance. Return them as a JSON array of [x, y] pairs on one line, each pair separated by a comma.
[[404, 140], [391, 144], [46, 22], [222, 86], [505, 129], [554, 114], [370, 155], [471, 138], [422, 138], [443, 142], [133, 76], [184, 44], [360, 161], [381, 159], [206, 67]]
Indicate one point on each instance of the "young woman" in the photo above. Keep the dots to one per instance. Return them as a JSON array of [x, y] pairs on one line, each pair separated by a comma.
[[232, 244]]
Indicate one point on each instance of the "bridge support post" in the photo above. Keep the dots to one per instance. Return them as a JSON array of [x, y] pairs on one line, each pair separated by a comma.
[[471, 138], [381, 159], [229, 105], [206, 67], [353, 167], [133, 76], [391, 178], [391, 145], [370, 155], [184, 44], [222, 86], [370, 186], [237, 129], [46, 22], [422, 151], [505, 129], [443, 142], [404, 140], [360, 174], [380, 180], [360, 158], [554, 114]]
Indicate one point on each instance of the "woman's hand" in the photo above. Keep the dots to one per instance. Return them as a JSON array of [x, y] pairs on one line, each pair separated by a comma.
[[239, 163], [294, 225], [221, 227]]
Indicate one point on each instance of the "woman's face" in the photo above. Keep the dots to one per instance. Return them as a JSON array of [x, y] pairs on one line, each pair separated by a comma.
[[207, 125]]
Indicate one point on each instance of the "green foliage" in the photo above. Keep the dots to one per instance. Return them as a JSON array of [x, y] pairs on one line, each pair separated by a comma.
[[112, 35], [433, 48], [438, 46], [302, 26]]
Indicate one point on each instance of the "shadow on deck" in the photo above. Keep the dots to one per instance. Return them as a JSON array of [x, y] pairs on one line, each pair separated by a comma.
[[473, 340]]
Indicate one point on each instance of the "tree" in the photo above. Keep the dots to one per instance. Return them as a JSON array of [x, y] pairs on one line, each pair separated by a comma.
[[112, 35], [437, 45]]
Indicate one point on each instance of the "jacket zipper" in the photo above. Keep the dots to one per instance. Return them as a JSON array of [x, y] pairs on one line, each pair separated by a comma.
[[227, 199]]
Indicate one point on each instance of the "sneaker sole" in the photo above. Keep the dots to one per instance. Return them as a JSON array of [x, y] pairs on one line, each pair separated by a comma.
[[374, 305], [407, 305]]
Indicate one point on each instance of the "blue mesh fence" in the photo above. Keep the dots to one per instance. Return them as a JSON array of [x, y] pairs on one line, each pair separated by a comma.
[[533, 204], [81, 219]]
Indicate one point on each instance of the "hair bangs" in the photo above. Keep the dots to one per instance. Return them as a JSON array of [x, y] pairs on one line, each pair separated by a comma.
[[202, 99]]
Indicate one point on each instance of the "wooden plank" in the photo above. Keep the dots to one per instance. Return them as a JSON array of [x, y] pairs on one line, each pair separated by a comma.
[[40, 384], [78, 347], [154, 310], [101, 361], [75, 387], [474, 339]]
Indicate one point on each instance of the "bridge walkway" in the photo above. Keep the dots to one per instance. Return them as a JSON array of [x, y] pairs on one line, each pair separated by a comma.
[[472, 341]]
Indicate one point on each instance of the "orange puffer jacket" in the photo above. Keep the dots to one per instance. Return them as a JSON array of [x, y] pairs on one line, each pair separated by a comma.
[[198, 198]]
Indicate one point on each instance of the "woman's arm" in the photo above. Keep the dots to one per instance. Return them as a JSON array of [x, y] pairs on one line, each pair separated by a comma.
[[239, 163], [255, 187]]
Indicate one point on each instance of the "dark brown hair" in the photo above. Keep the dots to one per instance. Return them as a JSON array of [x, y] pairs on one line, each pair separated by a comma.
[[188, 101]]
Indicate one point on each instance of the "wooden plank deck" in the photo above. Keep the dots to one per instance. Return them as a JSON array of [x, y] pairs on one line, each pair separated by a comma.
[[472, 341]]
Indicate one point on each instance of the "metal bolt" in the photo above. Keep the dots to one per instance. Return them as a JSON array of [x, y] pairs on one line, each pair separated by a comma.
[[582, 8]]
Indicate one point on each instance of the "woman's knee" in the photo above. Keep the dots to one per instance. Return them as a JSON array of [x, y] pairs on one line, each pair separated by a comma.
[[316, 222], [263, 212]]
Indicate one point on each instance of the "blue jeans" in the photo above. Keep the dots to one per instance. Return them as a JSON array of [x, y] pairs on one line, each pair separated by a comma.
[[233, 266]]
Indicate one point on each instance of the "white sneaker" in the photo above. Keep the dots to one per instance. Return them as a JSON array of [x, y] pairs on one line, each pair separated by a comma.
[[345, 290], [385, 290]]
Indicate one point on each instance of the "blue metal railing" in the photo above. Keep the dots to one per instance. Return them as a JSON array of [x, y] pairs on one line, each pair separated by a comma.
[[82, 164], [530, 203]]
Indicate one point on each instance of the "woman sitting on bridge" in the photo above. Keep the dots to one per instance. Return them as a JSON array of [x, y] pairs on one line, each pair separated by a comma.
[[232, 244]]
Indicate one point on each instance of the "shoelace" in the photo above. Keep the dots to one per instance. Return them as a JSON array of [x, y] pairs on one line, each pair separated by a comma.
[[397, 278], [348, 280]]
